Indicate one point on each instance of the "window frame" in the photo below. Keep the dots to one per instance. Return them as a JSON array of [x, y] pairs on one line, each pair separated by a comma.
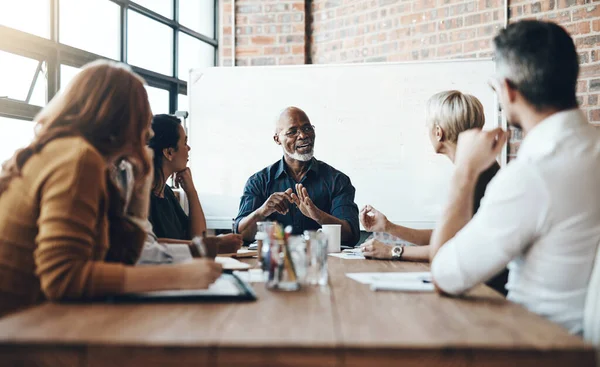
[[55, 53]]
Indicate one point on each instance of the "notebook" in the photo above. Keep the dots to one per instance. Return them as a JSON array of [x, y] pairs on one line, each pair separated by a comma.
[[228, 287]]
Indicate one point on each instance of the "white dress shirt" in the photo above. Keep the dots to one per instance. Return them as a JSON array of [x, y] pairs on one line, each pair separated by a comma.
[[541, 216]]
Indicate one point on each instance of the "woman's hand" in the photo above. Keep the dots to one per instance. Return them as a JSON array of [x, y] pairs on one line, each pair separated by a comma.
[[139, 204], [376, 250], [373, 220], [198, 273], [184, 180], [230, 243], [224, 244], [194, 274]]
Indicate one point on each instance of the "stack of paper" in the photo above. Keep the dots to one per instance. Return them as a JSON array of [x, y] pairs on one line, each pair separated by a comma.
[[408, 282]]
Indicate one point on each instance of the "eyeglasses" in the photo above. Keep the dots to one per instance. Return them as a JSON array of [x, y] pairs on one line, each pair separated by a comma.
[[306, 129]]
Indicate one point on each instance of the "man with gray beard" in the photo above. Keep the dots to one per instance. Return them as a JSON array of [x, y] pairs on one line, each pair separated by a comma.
[[298, 190]]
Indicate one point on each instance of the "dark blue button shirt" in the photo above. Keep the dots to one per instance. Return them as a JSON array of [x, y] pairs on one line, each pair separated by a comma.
[[329, 189]]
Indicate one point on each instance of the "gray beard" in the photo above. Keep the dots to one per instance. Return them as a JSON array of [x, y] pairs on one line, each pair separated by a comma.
[[299, 157]]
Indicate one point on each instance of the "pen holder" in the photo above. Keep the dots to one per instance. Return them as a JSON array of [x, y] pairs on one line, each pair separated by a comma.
[[285, 264]]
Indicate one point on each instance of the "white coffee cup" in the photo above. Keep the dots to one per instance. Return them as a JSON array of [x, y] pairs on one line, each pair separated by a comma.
[[334, 236]]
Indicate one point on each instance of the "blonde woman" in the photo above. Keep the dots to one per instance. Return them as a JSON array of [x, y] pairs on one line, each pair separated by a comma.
[[448, 114], [65, 232]]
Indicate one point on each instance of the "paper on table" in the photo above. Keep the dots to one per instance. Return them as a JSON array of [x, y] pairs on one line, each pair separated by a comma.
[[251, 276], [407, 286], [230, 263], [224, 286], [369, 278], [348, 256]]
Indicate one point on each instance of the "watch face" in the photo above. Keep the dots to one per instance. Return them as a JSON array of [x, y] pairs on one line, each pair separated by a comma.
[[397, 250]]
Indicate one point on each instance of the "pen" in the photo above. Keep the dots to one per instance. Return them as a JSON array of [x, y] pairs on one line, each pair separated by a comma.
[[233, 225]]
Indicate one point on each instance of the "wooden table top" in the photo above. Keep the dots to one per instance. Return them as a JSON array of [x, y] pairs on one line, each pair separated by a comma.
[[344, 324]]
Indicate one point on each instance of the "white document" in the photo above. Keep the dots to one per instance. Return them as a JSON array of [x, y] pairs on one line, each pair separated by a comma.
[[404, 286], [407, 282], [394, 277], [251, 276], [224, 286], [230, 263], [349, 255]]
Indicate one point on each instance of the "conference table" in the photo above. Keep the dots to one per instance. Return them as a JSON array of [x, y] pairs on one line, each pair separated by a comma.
[[344, 324]]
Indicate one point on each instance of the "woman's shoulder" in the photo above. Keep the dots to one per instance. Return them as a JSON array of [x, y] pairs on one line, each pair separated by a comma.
[[73, 150]]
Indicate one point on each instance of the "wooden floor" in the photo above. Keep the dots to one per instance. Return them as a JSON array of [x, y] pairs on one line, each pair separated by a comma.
[[345, 324]]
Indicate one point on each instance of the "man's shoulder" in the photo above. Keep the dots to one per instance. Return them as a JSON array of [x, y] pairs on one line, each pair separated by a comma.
[[518, 176], [329, 169], [265, 173]]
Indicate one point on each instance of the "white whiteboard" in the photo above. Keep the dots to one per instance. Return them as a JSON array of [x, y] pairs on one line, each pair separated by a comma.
[[369, 122]]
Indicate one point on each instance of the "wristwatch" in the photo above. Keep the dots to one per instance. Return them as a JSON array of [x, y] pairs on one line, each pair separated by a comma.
[[397, 252]]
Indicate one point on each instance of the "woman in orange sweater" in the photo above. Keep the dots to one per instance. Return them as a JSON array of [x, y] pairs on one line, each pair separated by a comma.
[[65, 233]]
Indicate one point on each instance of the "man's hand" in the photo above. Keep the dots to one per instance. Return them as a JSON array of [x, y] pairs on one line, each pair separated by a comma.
[[376, 250], [373, 220], [305, 204], [184, 180], [277, 202], [476, 149]]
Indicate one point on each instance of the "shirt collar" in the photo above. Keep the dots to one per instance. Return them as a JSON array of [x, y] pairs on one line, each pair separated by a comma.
[[314, 166], [544, 138]]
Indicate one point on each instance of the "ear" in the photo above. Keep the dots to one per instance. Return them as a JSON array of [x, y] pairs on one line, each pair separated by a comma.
[[276, 139], [510, 93], [168, 154], [439, 133]]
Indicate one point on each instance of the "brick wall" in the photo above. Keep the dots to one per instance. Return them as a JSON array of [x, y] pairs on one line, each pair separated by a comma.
[[268, 32], [581, 18], [273, 32], [388, 30]]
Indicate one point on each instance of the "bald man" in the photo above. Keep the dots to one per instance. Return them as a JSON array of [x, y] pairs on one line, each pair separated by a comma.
[[298, 190]]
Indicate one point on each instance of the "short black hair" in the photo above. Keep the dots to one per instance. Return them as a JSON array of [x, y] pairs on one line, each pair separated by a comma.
[[539, 59], [166, 135]]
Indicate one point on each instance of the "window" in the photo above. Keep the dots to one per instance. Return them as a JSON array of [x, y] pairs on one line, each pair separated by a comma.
[[92, 25], [149, 44], [198, 15], [162, 7], [183, 103], [21, 76], [67, 73], [159, 100], [38, 94], [21, 134], [193, 53], [31, 16], [90, 29]]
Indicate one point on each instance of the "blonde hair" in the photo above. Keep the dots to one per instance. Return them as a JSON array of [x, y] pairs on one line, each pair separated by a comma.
[[455, 112], [106, 104]]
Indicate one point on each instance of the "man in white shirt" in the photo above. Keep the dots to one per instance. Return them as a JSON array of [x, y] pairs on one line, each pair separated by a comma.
[[540, 214]]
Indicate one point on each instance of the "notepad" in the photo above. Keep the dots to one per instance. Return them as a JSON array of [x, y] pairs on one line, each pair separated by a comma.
[[227, 287], [241, 253], [404, 286], [348, 255], [230, 263], [396, 281]]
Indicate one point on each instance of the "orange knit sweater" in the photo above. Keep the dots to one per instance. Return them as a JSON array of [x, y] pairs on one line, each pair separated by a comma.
[[54, 229]]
